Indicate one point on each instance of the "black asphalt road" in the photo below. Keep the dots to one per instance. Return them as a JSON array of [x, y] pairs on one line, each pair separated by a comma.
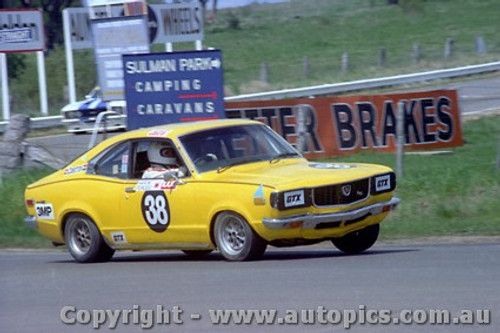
[[35, 288]]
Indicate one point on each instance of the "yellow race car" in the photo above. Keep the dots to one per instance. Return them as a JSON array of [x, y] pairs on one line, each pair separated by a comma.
[[231, 185]]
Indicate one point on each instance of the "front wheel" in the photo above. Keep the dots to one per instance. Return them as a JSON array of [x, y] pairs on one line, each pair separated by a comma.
[[357, 241], [84, 241], [235, 239]]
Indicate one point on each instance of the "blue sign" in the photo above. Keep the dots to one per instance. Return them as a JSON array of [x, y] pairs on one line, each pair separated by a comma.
[[173, 87]]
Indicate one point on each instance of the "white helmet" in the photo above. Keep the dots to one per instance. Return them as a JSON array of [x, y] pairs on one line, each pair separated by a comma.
[[162, 153]]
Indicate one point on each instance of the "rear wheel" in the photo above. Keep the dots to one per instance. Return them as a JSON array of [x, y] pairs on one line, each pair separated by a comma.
[[357, 241], [235, 239], [84, 241]]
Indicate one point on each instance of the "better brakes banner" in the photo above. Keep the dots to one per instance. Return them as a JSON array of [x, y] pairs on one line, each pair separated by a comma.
[[172, 87], [342, 125]]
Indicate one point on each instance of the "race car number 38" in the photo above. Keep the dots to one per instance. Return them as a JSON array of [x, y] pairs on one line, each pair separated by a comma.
[[155, 210]]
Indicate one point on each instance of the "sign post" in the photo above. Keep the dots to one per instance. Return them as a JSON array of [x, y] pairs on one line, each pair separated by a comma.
[[173, 87], [22, 31]]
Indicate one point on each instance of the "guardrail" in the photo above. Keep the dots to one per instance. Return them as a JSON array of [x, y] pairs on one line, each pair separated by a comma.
[[325, 89]]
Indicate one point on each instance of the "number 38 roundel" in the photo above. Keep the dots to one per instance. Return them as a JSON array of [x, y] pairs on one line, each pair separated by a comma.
[[155, 210]]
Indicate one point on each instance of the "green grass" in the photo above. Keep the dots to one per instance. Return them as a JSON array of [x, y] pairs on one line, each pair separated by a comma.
[[12, 211], [322, 30], [443, 195]]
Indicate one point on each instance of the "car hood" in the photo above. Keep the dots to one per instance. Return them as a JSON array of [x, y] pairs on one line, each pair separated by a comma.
[[288, 174]]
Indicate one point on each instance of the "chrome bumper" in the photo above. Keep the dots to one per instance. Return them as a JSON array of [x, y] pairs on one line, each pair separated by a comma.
[[31, 222], [311, 221]]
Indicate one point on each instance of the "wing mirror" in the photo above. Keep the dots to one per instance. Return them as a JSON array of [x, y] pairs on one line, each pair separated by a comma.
[[174, 175]]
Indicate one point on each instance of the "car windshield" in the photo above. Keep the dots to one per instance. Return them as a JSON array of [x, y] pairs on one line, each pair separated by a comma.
[[225, 147]]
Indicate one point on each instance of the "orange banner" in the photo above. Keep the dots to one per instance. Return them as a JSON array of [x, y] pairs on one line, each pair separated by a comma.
[[337, 126]]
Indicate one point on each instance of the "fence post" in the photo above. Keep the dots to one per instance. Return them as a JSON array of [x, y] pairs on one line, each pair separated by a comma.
[[416, 53], [344, 67], [448, 49], [382, 54], [400, 139], [307, 67], [264, 72], [498, 154], [480, 45]]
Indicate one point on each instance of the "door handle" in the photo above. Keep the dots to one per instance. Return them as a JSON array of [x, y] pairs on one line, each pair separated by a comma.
[[129, 190]]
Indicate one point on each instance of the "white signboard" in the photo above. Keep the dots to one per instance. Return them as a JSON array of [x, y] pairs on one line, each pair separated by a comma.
[[115, 37], [21, 31], [167, 23]]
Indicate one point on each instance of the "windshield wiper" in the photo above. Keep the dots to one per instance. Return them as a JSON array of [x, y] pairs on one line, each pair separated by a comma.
[[243, 161], [278, 157]]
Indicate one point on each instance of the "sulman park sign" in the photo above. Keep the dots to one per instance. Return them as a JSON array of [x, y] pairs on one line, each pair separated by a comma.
[[171, 87]]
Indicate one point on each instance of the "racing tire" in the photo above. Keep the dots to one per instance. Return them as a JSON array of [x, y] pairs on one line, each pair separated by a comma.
[[357, 241], [84, 241], [235, 239], [197, 253]]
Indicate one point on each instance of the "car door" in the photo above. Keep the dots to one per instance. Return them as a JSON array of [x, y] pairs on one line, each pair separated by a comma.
[[158, 213]]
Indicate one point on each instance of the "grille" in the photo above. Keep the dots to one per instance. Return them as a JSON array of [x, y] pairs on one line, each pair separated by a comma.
[[341, 194]]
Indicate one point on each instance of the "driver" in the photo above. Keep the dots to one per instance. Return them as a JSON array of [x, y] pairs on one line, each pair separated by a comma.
[[162, 158]]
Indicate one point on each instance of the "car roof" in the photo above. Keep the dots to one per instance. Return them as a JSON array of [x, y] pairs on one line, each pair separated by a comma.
[[178, 129]]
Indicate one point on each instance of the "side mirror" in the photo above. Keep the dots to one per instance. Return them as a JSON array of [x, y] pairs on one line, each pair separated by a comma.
[[174, 175]]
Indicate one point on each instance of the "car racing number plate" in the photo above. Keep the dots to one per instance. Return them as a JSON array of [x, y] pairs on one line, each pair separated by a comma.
[[155, 210]]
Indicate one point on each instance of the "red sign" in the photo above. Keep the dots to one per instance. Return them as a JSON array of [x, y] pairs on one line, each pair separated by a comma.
[[343, 125]]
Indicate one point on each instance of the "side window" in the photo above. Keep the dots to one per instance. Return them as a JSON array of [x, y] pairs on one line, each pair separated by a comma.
[[151, 157], [114, 163]]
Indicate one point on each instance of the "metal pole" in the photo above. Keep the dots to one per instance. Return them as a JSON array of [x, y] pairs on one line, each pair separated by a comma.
[[70, 69], [400, 139], [498, 154], [5, 86], [42, 83]]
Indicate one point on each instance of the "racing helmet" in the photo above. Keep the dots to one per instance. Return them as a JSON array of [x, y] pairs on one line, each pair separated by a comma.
[[162, 153]]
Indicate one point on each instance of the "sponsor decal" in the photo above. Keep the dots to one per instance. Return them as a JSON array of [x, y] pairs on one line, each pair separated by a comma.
[[258, 196], [44, 211], [294, 198], [155, 185], [155, 210], [382, 183], [75, 169], [331, 166], [118, 237], [157, 133]]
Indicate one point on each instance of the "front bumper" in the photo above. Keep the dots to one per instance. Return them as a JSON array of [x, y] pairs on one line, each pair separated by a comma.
[[314, 221], [31, 222]]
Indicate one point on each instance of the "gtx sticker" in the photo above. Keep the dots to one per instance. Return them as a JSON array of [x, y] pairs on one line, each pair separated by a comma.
[[294, 198], [44, 211], [382, 183], [75, 169], [118, 237], [155, 210], [331, 166], [155, 185]]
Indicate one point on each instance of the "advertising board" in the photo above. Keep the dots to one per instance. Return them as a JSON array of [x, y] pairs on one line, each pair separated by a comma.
[[336, 126], [173, 87], [21, 30]]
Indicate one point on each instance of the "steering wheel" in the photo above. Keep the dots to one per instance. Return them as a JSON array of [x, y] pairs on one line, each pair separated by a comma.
[[207, 158]]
